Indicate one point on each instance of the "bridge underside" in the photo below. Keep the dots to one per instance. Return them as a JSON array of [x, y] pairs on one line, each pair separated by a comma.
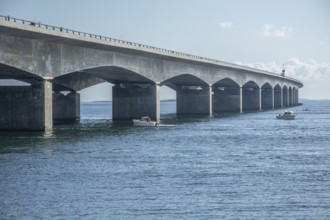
[[37, 107], [43, 102], [56, 64], [266, 97], [134, 101], [226, 96], [193, 96]]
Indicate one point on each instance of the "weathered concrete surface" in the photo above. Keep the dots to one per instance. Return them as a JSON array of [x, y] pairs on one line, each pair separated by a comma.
[[26, 107], [47, 53], [47, 102], [73, 62], [66, 107], [134, 101], [75, 81]]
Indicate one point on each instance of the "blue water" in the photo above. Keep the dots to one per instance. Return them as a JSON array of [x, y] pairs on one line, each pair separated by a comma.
[[240, 166]]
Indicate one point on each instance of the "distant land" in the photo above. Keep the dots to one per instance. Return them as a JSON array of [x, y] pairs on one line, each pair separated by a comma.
[[301, 100], [108, 101]]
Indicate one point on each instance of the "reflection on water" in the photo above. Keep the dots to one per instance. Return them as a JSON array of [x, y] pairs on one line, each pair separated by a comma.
[[239, 166]]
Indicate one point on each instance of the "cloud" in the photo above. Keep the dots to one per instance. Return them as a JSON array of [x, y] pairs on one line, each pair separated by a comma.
[[313, 74], [270, 30], [226, 24]]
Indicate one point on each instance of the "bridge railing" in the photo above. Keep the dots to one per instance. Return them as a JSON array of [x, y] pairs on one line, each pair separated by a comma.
[[138, 45]]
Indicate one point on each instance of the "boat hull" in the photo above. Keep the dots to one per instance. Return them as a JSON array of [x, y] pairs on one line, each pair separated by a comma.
[[286, 117], [138, 122]]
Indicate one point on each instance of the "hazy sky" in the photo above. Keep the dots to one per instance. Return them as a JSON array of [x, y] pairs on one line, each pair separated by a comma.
[[259, 33]]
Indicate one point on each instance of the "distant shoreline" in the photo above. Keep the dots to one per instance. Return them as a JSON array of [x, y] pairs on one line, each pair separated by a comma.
[[109, 101], [302, 100]]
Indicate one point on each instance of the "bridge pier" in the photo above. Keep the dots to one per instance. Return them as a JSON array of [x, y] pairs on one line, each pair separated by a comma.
[[134, 101], [66, 108], [284, 98], [290, 98], [277, 98], [296, 97], [273, 98], [226, 99], [241, 99], [266, 97], [251, 99], [194, 100], [26, 107]]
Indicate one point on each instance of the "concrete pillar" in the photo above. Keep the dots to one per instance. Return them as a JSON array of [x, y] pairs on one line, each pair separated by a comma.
[[48, 104], [26, 107], [194, 100], [266, 98], [260, 100], [66, 107], [293, 97], [282, 98], [241, 99], [210, 101], [277, 98], [157, 91], [297, 96], [288, 98], [226, 99], [273, 98], [251, 99], [134, 101]]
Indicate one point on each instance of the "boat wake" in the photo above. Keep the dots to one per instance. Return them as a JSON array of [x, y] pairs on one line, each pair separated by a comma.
[[164, 125]]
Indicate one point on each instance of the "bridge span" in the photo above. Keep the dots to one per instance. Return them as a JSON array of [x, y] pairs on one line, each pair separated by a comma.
[[57, 63]]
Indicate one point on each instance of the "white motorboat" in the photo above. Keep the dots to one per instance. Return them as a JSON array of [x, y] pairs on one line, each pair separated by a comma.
[[144, 121], [287, 115]]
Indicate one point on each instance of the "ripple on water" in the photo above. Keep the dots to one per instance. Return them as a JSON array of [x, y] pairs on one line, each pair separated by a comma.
[[241, 166]]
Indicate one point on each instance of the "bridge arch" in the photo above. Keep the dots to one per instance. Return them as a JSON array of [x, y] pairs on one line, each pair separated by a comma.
[[192, 94], [24, 100], [226, 96], [11, 72], [76, 62], [266, 96], [184, 80], [84, 78]]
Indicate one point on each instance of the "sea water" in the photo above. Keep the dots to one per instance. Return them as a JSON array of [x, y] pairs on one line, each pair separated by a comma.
[[238, 166]]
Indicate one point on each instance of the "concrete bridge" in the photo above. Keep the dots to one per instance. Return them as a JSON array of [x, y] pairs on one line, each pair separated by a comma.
[[57, 63]]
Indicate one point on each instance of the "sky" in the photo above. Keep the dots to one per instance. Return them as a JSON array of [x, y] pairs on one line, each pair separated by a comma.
[[265, 34]]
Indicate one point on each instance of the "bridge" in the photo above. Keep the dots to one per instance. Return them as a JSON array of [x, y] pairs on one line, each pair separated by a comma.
[[56, 63]]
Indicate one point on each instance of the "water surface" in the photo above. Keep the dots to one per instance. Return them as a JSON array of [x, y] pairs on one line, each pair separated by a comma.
[[240, 166]]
